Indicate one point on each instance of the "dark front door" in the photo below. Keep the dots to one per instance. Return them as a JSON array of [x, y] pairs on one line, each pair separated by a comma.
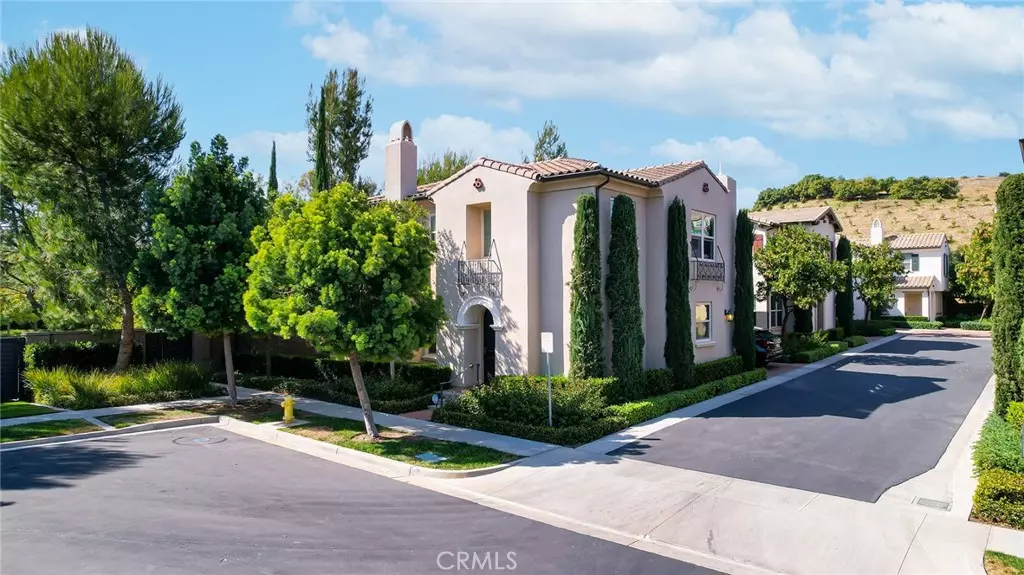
[[488, 346]]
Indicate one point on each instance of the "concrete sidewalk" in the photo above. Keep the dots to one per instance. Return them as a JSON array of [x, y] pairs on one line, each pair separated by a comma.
[[514, 445]]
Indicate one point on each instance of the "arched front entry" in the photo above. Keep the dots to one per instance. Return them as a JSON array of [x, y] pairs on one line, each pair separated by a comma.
[[479, 320]]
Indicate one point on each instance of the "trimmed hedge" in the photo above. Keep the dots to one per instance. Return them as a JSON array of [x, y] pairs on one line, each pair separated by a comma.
[[819, 353], [856, 341], [998, 447], [640, 411], [80, 355], [300, 367], [836, 334], [983, 325], [612, 419], [924, 324], [1015, 414], [1000, 498], [524, 399], [385, 396], [873, 327], [716, 369]]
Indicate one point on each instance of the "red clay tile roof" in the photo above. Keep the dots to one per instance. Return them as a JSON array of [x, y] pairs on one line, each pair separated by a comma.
[[794, 216], [915, 282], [918, 241], [652, 176]]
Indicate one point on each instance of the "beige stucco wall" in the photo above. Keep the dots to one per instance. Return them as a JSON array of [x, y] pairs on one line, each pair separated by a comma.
[[457, 209]]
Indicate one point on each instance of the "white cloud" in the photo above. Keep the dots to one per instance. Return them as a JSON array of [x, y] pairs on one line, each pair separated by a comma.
[[970, 123], [613, 148], [746, 154], [459, 133], [692, 59], [291, 152], [509, 104]]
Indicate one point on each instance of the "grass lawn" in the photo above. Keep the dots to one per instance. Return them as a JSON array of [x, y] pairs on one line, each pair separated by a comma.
[[249, 410], [130, 419], [12, 409], [45, 429], [398, 445], [997, 563]]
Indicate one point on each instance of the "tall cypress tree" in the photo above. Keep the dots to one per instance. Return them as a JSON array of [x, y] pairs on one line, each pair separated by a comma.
[[322, 178], [844, 300], [678, 334], [743, 293], [623, 290], [272, 179], [1008, 313], [586, 315]]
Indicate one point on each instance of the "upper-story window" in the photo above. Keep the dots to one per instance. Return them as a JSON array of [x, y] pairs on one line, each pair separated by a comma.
[[486, 226], [702, 236], [433, 226], [945, 265], [911, 263]]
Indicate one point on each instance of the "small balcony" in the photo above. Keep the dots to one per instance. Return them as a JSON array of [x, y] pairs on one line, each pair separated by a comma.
[[708, 270], [480, 275]]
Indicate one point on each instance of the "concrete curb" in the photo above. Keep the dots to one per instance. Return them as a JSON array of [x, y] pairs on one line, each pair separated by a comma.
[[350, 457], [155, 426], [630, 434]]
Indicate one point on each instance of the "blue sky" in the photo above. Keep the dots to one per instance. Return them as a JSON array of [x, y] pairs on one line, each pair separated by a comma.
[[772, 91]]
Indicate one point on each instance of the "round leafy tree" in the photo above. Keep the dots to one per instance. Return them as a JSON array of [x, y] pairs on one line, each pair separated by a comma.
[[875, 270], [623, 289], [194, 272], [350, 277], [743, 294], [586, 314]]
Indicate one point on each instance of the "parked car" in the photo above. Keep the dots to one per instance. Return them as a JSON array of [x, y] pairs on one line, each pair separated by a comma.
[[768, 345]]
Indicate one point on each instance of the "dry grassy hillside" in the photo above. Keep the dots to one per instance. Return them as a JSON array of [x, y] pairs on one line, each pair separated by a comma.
[[956, 217]]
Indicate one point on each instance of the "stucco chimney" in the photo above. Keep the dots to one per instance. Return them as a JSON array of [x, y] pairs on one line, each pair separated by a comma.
[[877, 235], [400, 162], [727, 181]]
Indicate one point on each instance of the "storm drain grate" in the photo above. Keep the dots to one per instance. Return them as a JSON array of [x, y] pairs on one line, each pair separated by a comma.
[[933, 503], [197, 440]]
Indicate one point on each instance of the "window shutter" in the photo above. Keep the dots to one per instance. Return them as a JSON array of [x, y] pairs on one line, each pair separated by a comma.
[[758, 242]]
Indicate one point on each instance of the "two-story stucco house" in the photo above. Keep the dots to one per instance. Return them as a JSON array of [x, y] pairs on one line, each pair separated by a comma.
[[822, 220], [926, 267], [504, 234]]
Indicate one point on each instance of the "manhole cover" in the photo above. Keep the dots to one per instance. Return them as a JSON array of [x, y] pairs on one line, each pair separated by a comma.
[[198, 440], [933, 503]]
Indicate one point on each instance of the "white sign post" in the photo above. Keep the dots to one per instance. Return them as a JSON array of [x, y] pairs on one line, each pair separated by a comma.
[[547, 346]]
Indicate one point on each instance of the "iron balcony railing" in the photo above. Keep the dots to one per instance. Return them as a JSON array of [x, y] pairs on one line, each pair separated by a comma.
[[707, 271], [481, 273]]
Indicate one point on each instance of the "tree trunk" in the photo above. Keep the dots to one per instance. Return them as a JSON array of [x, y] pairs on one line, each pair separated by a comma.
[[229, 368], [124, 354], [984, 310], [364, 399]]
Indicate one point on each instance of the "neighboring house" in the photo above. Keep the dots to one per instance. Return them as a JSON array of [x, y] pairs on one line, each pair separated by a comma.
[[822, 220], [504, 234], [926, 263]]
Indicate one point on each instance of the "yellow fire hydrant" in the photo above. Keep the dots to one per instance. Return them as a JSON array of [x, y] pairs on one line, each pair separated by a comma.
[[289, 408]]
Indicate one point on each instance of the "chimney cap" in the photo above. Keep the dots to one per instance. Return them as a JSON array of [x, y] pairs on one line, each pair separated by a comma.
[[401, 131]]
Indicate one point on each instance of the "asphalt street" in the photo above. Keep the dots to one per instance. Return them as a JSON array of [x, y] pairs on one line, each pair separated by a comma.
[[852, 429], [204, 500]]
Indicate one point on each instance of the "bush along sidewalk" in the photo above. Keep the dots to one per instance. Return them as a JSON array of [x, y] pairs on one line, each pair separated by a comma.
[[73, 389], [998, 462], [581, 419], [387, 396]]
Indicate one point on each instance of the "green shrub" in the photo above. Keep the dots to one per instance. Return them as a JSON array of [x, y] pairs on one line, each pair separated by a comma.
[[657, 382], [639, 411], [837, 334], [816, 354], [856, 340], [1015, 414], [80, 355], [873, 327], [1008, 312], [924, 324], [887, 331], [622, 287], [524, 399], [386, 396], [982, 325], [838, 346], [586, 306], [715, 369], [998, 447], [612, 418], [678, 349], [427, 375], [1000, 498], [73, 389]]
